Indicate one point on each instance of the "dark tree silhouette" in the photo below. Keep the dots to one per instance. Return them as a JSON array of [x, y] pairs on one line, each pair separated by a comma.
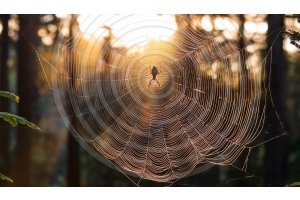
[[275, 149], [73, 148], [4, 105], [27, 70], [241, 42]]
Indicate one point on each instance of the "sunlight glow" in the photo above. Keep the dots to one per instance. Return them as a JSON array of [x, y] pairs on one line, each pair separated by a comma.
[[289, 47], [224, 23], [206, 23], [252, 27], [130, 30]]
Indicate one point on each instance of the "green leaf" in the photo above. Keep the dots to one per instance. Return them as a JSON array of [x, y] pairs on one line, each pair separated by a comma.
[[5, 178], [14, 120], [294, 184], [10, 95]]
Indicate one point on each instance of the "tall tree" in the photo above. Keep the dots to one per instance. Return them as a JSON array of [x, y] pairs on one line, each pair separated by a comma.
[[27, 70], [4, 41], [275, 149], [4, 104], [73, 147], [241, 42]]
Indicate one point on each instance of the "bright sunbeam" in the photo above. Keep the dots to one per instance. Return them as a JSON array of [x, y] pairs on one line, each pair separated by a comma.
[[129, 31]]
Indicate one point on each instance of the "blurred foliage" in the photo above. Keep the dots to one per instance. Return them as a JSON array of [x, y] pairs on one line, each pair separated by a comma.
[[14, 120], [3, 177], [10, 95], [294, 184]]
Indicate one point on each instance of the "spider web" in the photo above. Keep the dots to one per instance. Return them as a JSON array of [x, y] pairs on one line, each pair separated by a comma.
[[209, 110]]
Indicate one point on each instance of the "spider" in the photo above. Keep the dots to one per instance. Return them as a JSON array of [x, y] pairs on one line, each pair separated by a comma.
[[154, 72]]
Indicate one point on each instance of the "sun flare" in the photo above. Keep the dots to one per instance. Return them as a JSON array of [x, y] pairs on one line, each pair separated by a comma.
[[129, 31]]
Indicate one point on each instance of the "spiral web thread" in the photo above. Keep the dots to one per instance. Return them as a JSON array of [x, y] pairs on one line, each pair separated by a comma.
[[210, 107]]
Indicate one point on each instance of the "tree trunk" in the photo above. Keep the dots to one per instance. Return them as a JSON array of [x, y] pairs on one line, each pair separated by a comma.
[[27, 70], [4, 103], [73, 148], [275, 149], [242, 44]]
